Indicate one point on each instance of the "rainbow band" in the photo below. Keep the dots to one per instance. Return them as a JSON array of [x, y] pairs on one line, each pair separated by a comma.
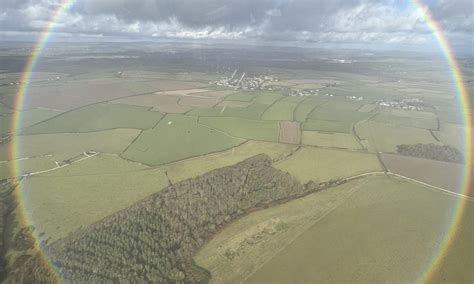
[[14, 151], [446, 49], [463, 96]]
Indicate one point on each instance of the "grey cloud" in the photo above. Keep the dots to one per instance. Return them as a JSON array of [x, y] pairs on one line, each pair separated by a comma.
[[308, 20]]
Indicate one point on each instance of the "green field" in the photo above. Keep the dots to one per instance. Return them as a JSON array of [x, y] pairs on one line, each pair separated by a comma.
[[327, 126], [281, 110], [334, 140], [328, 237], [244, 128], [452, 135], [267, 98], [426, 121], [98, 117], [323, 113], [253, 111], [193, 167], [178, 137], [85, 192], [28, 166], [316, 164], [242, 96], [70, 144], [382, 137], [28, 118], [302, 111]]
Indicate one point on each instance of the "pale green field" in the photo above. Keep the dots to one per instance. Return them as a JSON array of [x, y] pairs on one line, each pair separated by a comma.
[[242, 96], [244, 128], [425, 120], [281, 110], [367, 108], [78, 195], [196, 166], [28, 118], [334, 140], [302, 111], [317, 164], [178, 137], [384, 137], [162, 103], [28, 166], [387, 231], [64, 144], [98, 117], [452, 135]]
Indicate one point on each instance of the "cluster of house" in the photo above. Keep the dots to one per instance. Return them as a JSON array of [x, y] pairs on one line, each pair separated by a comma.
[[245, 83], [354, 98], [407, 104]]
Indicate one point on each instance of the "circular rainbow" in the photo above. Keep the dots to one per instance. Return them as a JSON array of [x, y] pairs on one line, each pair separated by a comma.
[[462, 95]]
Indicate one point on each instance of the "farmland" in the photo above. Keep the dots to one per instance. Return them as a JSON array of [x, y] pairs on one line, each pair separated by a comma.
[[177, 137], [393, 212], [333, 140], [79, 195], [244, 128], [109, 141], [94, 141], [317, 164], [384, 137], [98, 117], [441, 174]]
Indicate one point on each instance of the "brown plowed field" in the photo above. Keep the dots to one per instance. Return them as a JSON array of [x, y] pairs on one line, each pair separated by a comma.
[[290, 132], [441, 174]]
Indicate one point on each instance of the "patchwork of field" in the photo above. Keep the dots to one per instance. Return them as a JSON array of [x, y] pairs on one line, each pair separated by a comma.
[[329, 237], [70, 144], [320, 165], [178, 137], [152, 129], [382, 137], [332, 140], [445, 175], [64, 200], [98, 117], [72, 93]]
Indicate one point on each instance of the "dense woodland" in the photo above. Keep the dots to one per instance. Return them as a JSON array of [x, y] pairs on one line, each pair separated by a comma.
[[431, 152], [155, 239]]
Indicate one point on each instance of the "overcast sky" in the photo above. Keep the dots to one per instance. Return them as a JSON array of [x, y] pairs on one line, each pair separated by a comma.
[[321, 21]]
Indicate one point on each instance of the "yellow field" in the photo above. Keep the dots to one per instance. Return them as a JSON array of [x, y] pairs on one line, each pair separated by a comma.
[[109, 141], [249, 242], [333, 140], [328, 237], [62, 201], [196, 166], [384, 137], [452, 135], [311, 163]]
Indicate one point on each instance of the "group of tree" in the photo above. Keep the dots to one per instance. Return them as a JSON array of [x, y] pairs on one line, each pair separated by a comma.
[[431, 152]]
